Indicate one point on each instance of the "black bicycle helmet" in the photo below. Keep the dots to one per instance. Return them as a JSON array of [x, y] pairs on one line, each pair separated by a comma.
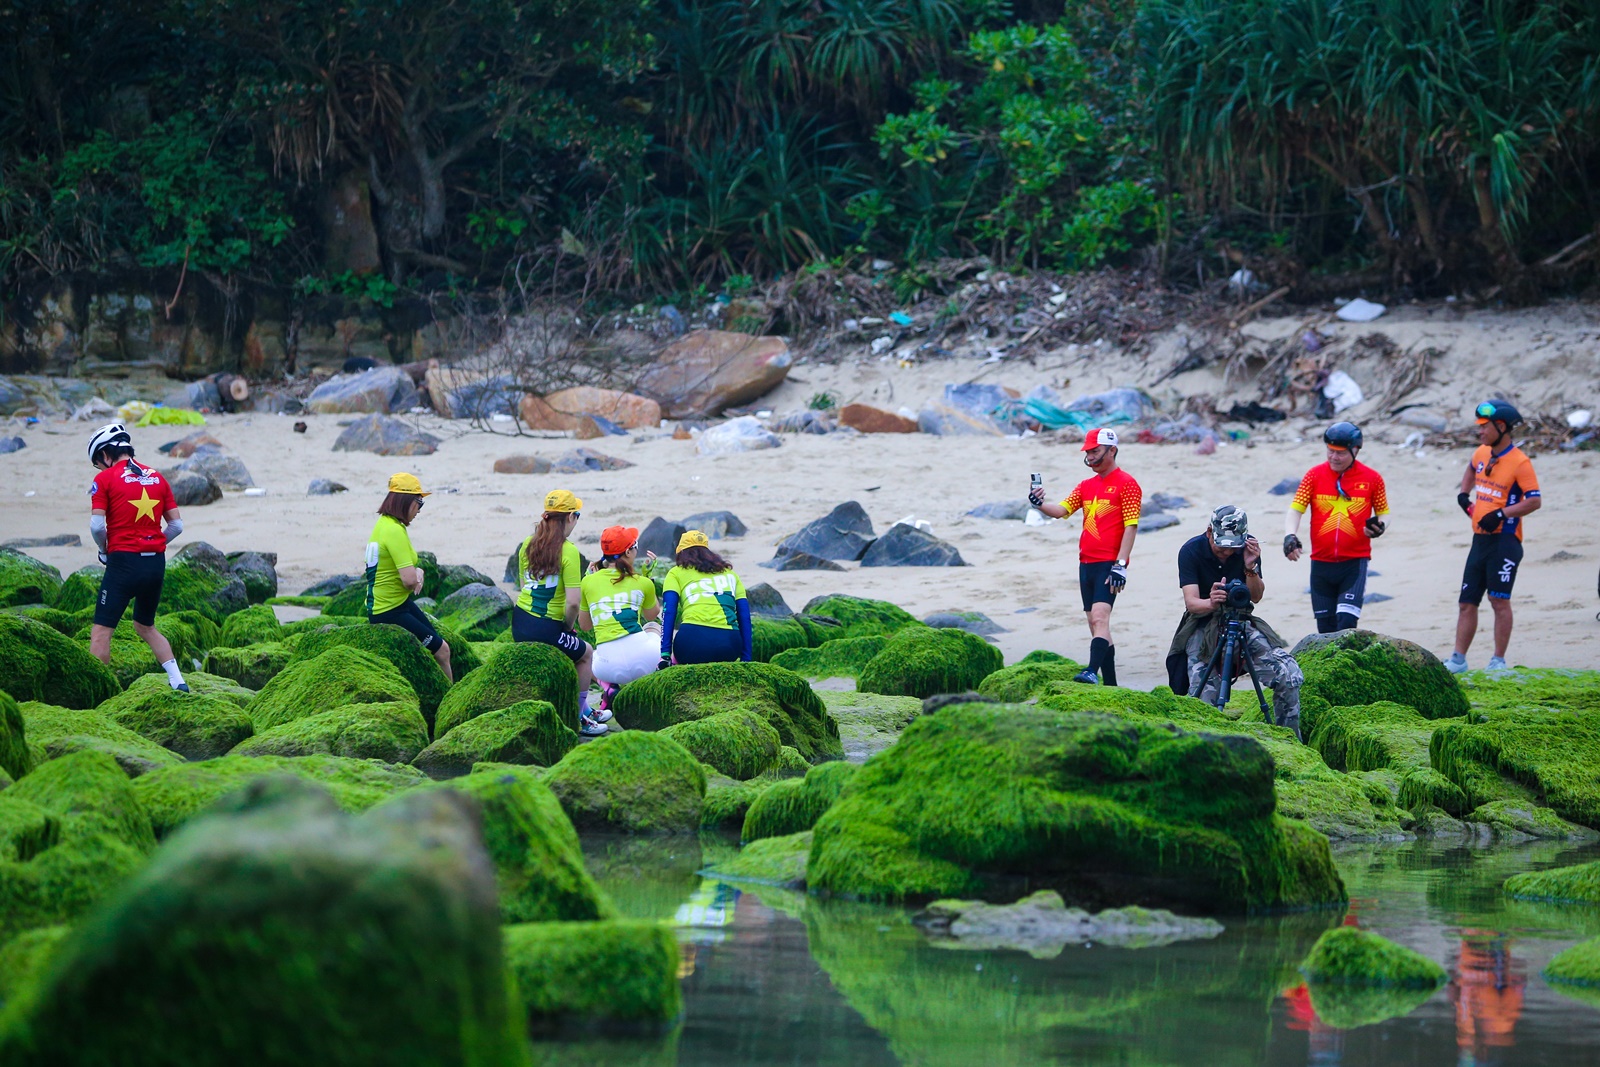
[[1343, 435], [1498, 411]]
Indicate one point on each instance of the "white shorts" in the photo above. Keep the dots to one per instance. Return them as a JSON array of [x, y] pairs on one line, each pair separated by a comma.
[[627, 658]]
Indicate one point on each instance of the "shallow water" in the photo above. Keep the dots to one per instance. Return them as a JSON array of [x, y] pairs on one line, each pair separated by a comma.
[[772, 976]]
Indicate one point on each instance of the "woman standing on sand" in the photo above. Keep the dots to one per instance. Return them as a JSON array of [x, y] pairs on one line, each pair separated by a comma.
[[704, 601], [620, 608], [393, 576], [548, 574]]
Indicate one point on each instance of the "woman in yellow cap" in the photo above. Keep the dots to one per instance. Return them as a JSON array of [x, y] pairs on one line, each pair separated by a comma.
[[393, 576], [548, 579], [620, 608], [705, 617]]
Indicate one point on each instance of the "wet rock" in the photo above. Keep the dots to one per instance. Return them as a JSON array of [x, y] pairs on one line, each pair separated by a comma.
[[258, 571], [191, 488], [716, 524], [799, 561], [185, 447], [382, 390], [628, 411], [974, 622], [767, 601], [325, 487], [1285, 487], [708, 371], [1157, 520], [227, 471], [331, 586], [385, 436], [661, 537], [843, 533], [1042, 925], [481, 612], [1010, 510], [869, 419], [585, 459], [12, 444], [907, 546], [521, 464]]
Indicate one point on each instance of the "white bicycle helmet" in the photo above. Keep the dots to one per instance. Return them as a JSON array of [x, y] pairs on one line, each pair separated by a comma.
[[113, 433]]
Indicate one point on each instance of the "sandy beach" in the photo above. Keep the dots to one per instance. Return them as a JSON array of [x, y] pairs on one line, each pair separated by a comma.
[[1024, 578]]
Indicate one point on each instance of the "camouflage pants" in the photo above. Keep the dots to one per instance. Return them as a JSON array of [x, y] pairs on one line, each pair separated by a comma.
[[1275, 669]]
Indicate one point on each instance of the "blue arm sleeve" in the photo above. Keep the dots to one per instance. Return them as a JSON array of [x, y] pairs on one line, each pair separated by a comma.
[[669, 614], [745, 634]]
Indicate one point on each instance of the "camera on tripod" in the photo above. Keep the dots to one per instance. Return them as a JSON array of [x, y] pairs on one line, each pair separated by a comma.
[[1238, 596], [1233, 648]]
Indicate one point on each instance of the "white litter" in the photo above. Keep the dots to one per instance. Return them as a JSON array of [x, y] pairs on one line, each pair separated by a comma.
[[1359, 310], [1035, 517], [744, 434], [915, 523], [255, 490], [880, 345], [1580, 419], [1343, 391]]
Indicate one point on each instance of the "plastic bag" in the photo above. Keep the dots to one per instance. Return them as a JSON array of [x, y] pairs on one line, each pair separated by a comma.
[[172, 417], [1343, 391], [744, 434]]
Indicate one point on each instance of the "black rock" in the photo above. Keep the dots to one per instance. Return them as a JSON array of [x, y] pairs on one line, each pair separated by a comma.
[[767, 601], [661, 537], [1285, 487], [580, 460], [843, 533], [1156, 520], [12, 444], [453, 576], [1014, 510], [1377, 598], [191, 488], [974, 622], [258, 571], [324, 487], [1166, 501], [716, 524], [230, 598], [799, 561], [59, 540], [331, 586], [357, 364], [907, 546], [511, 567]]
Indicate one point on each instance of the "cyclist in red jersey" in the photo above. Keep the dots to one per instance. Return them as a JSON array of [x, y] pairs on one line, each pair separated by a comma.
[[1110, 504], [128, 503], [1347, 500]]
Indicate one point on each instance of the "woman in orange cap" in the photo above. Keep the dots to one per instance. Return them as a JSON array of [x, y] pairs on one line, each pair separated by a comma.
[[393, 577], [548, 574], [619, 607], [705, 617]]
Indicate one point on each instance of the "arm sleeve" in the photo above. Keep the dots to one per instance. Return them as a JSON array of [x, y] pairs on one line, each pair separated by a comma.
[[669, 611], [1074, 499], [97, 530], [173, 531], [1380, 498], [1302, 495], [1132, 504], [746, 631]]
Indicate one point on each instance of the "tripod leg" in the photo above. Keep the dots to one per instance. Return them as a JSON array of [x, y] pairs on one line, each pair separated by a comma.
[[1230, 651], [1261, 696], [1205, 676]]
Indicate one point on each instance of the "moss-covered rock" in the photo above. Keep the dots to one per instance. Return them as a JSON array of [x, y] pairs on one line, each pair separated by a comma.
[[24, 957], [1424, 789], [1372, 737], [1576, 972], [290, 933], [1029, 679], [38, 663], [174, 795], [789, 764], [16, 759], [700, 690], [393, 732], [194, 725], [795, 805], [349, 602], [529, 732], [617, 976], [393, 644], [464, 655], [252, 666], [633, 782], [338, 677], [53, 732], [739, 743], [65, 623], [1106, 810], [843, 658], [1579, 884], [256, 625], [81, 588], [1556, 690], [291, 631], [1348, 955], [25, 580], [727, 802], [198, 579], [516, 672], [771, 637], [860, 616], [1523, 820], [779, 861], [1521, 754], [923, 662], [869, 722], [1354, 667]]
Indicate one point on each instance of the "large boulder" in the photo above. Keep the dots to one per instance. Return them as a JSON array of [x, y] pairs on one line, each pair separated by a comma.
[[375, 390], [53, 732], [795, 804], [1358, 978], [1361, 667], [385, 435], [1028, 679], [906, 546], [334, 678], [633, 782], [246, 920], [841, 658], [39, 663], [453, 576], [528, 733], [568, 406], [192, 488], [924, 662], [843, 533], [199, 578], [393, 732], [25, 580], [700, 690], [859, 616], [706, 371], [229, 472], [194, 725], [1105, 810], [480, 611], [258, 571], [396, 646], [619, 975], [1525, 754], [661, 537], [251, 666], [766, 601], [739, 743], [769, 637], [256, 625], [716, 524], [80, 589], [515, 672]]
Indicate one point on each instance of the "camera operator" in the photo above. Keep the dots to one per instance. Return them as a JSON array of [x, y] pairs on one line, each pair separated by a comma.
[[1222, 561]]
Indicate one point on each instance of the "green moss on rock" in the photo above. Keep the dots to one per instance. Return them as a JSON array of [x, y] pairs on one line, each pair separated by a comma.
[[771, 637], [1579, 884], [393, 732], [739, 743], [869, 722], [1029, 679], [795, 805], [516, 672], [1425, 788], [24, 957], [198, 579], [700, 690], [789, 764], [1525, 753], [1576, 971], [252, 666], [727, 802], [392, 644], [53, 732], [529, 732], [842, 658], [81, 588], [1106, 810], [1354, 667], [255, 625], [620, 975], [633, 782], [1556, 690], [339, 676], [16, 759], [25, 580], [1347, 955], [38, 663], [1522, 820], [194, 725], [861, 616], [1372, 737], [924, 662], [62, 622], [779, 861]]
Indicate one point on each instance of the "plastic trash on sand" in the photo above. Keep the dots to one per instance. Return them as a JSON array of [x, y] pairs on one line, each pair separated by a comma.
[[1359, 310], [172, 417], [744, 434], [1343, 391], [915, 523], [1580, 419], [134, 410]]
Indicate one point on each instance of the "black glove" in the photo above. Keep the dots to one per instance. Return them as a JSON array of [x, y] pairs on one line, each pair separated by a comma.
[[1118, 578], [1375, 526], [1036, 497], [666, 661], [1491, 522], [1291, 543], [1465, 500]]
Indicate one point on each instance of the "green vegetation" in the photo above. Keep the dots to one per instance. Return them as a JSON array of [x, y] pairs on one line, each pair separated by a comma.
[[80, 589], [16, 759], [1519, 820], [1555, 690], [861, 617], [195, 725], [1351, 956], [24, 957], [1577, 966], [53, 732], [869, 722], [779, 861], [255, 625], [924, 662], [392, 643], [633, 782], [40, 664], [334, 679], [516, 672], [1560, 885], [795, 804], [252, 666], [700, 690], [728, 801], [25, 580], [529, 732], [619, 974], [393, 732], [1029, 679], [1520, 754], [739, 743], [1356, 667], [770, 638], [840, 658]]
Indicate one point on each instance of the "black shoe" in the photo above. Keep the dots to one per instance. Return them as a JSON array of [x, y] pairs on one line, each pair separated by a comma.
[[1087, 676]]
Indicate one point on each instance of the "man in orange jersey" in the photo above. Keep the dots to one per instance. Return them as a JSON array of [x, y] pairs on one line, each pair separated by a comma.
[[1498, 489], [1347, 500], [1110, 504]]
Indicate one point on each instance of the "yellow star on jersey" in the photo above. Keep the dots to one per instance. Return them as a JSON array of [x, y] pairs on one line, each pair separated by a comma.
[[1339, 514], [145, 506], [1092, 510]]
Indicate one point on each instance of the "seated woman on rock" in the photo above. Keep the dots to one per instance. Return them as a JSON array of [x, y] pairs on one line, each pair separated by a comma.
[[548, 575], [705, 617], [393, 576], [620, 608]]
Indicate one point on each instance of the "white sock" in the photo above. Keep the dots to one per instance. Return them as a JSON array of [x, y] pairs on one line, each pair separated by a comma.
[[173, 676]]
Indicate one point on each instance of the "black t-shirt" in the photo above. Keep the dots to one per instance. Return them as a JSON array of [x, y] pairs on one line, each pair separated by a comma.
[[1198, 565]]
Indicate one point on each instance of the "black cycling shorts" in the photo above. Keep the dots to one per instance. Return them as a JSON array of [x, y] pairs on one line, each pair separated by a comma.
[[1338, 587], [538, 630], [410, 617], [692, 643], [1092, 583], [1491, 567], [130, 576]]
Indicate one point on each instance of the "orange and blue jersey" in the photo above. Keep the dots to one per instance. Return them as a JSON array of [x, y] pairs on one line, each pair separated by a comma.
[[1502, 479]]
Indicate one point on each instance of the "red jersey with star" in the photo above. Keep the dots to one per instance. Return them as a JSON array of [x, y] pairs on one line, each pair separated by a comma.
[[1340, 505], [1110, 505], [134, 498]]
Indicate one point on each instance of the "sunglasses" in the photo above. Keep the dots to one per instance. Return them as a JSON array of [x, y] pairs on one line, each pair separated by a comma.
[[1486, 410], [419, 503]]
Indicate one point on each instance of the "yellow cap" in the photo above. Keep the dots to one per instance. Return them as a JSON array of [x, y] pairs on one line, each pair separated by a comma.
[[406, 483], [561, 500], [692, 539]]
